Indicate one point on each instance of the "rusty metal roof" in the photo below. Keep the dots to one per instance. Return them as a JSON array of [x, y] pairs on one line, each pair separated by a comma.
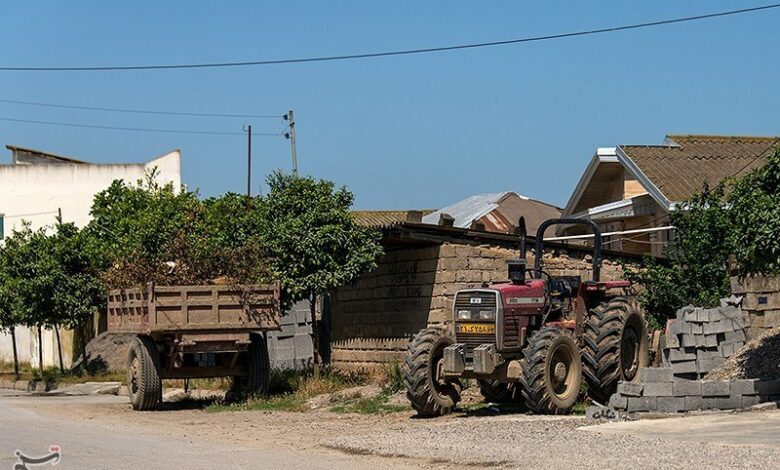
[[496, 212], [680, 166]]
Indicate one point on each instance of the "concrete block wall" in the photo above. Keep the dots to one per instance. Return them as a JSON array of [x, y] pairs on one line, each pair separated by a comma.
[[760, 304], [292, 346], [660, 391], [413, 288], [699, 339]]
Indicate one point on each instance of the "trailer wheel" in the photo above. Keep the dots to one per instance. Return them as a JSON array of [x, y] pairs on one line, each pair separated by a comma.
[[258, 377], [144, 386], [552, 371], [428, 391], [494, 391], [615, 346]]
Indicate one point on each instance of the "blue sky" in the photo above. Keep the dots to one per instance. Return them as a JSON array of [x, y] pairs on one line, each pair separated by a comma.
[[401, 132]]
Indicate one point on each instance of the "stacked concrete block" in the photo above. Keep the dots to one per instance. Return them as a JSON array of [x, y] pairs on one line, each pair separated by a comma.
[[761, 304], [292, 347], [660, 391], [700, 339]]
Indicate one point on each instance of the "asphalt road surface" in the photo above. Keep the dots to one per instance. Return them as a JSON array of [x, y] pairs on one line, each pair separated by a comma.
[[102, 432], [27, 424]]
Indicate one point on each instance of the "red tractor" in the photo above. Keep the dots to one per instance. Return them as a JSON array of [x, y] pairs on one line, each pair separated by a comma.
[[531, 339]]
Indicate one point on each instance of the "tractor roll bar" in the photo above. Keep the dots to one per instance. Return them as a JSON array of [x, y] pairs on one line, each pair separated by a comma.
[[596, 243]]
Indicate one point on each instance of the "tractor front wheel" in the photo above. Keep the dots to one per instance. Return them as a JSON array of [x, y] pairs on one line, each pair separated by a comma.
[[426, 388], [614, 346], [552, 371]]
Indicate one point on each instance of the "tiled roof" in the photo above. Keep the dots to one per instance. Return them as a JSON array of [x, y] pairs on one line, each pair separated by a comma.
[[680, 166], [388, 219]]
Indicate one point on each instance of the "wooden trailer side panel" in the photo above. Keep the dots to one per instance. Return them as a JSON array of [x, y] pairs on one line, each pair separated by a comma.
[[128, 311], [194, 308]]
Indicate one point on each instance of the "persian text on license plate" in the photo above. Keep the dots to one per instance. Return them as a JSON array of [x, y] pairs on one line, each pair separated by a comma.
[[482, 328]]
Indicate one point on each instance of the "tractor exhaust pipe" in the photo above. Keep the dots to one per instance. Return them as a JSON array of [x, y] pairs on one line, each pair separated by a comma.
[[517, 267]]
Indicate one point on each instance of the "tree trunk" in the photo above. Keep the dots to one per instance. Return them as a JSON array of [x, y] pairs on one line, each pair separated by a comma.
[[40, 348], [59, 347], [16, 355], [83, 325]]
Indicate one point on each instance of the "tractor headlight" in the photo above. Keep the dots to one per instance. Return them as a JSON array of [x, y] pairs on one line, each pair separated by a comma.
[[487, 314], [464, 314]]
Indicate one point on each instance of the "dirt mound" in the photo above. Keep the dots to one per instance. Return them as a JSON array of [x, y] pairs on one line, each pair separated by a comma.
[[108, 352], [758, 359]]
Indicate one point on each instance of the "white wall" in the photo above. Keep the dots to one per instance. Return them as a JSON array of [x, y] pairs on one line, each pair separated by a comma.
[[35, 192]]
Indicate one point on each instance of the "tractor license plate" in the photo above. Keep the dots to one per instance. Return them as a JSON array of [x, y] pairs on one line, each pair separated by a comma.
[[481, 328]]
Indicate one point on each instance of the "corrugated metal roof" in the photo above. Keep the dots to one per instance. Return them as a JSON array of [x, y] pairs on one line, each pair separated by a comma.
[[468, 210]]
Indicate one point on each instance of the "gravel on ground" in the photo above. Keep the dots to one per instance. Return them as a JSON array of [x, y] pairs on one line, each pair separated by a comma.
[[484, 437], [757, 359]]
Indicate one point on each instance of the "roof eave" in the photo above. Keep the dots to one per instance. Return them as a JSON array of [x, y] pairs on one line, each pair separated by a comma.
[[602, 155], [637, 172]]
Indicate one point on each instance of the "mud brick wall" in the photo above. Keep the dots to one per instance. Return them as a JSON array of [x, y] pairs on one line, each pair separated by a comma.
[[413, 288], [760, 304]]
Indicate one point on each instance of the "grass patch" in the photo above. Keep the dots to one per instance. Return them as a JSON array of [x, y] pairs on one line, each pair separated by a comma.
[[290, 390], [579, 408], [377, 404]]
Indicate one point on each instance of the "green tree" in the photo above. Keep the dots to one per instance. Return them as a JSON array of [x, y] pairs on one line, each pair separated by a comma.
[[9, 313], [311, 237], [755, 215], [696, 272], [48, 280]]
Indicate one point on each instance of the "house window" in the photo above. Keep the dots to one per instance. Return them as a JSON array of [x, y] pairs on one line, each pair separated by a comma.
[[2, 229]]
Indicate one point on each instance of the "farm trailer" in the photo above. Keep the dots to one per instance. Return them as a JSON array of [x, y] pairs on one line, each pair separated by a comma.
[[187, 332]]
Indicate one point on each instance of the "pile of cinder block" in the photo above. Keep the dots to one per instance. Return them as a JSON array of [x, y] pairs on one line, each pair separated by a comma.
[[660, 391], [700, 339], [291, 347]]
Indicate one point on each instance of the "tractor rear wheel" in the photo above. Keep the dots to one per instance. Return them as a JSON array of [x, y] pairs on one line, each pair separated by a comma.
[[615, 346], [494, 391], [144, 386], [552, 371], [426, 388]]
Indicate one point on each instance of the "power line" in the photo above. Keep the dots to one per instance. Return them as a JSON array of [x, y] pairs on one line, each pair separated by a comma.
[[133, 129], [395, 53], [138, 111]]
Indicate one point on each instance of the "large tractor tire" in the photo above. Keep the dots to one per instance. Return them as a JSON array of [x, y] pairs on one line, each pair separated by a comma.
[[144, 386], [258, 378], [552, 371], [494, 391], [614, 346], [427, 390]]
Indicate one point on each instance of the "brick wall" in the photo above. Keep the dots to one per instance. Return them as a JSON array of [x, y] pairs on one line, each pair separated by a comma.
[[373, 320], [760, 304]]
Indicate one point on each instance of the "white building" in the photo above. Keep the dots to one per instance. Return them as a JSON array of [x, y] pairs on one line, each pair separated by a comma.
[[37, 186]]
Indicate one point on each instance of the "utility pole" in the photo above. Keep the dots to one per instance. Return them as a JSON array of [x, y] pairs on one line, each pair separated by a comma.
[[291, 136], [248, 129]]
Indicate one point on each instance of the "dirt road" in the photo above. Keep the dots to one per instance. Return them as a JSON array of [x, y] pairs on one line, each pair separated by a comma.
[[102, 432]]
